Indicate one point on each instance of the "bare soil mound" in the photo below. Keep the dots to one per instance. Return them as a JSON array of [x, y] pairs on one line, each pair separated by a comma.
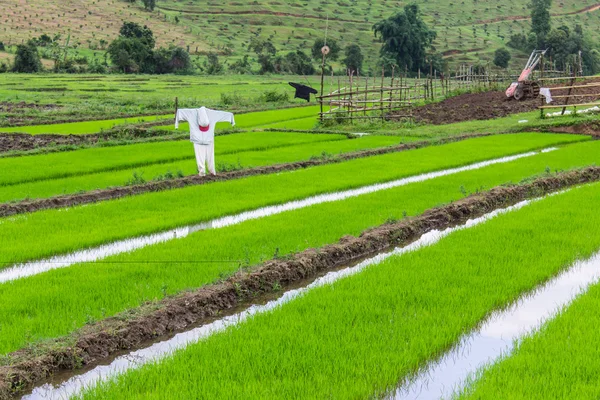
[[494, 104], [472, 106]]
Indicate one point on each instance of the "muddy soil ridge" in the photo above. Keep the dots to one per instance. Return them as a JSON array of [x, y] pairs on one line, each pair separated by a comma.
[[95, 343], [489, 105], [26, 206]]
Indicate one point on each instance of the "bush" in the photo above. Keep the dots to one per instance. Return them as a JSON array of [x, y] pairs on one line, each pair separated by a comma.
[[273, 96], [27, 59], [502, 58]]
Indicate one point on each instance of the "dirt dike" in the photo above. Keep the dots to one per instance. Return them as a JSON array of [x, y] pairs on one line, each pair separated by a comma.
[[490, 105], [591, 128], [6, 106], [472, 106], [8, 209], [97, 342], [16, 142]]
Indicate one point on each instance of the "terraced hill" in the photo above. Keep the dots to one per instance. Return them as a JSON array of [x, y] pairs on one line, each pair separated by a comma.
[[469, 30]]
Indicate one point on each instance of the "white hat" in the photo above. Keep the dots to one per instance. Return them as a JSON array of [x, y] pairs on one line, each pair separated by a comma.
[[203, 121]]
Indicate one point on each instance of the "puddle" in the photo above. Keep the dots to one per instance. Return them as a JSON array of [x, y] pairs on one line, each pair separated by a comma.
[[158, 351], [499, 333], [129, 245]]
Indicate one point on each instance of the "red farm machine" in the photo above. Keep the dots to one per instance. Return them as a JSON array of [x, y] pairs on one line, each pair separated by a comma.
[[525, 88]]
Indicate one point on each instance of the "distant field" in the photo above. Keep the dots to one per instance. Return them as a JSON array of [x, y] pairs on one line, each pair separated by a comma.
[[468, 31], [51, 98]]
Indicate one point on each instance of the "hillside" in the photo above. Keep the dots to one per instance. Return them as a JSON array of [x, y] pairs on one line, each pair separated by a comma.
[[468, 31]]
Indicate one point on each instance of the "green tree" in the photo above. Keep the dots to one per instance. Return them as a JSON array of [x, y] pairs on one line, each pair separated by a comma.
[[212, 65], [131, 55], [174, 60], [132, 30], [149, 4], [265, 53], [27, 59], [241, 66], [334, 50], [354, 58], [133, 50], [298, 63], [406, 37], [540, 20], [502, 58]]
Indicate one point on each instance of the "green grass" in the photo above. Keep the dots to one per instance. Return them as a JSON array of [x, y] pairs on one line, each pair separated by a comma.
[[88, 161], [55, 303], [358, 337], [248, 120], [561, 361], [302, 124], [85, 97], [243, 159], [44, 233]]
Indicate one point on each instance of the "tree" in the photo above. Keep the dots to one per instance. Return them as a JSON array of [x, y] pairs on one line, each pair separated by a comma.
[[406, 37], [540, 20], [354, 58], [131, 55], [298, 63], [241, 66], [212, 65], [133, 50], [132, 30], [149, 4], [334, 50], [27, 59], [265, 52], [174, 60], [565, 44], [502, 58]]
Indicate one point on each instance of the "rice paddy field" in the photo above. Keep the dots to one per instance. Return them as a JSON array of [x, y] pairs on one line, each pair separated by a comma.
[[388, 260]]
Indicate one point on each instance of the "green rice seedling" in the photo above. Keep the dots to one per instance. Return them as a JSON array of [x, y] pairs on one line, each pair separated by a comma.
[[52, 301], [51, 232], [361, 336], [61, 165], [248, 159]]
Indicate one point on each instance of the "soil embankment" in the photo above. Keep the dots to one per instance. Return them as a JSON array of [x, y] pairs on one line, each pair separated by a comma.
[[98, 341], [490, 105]]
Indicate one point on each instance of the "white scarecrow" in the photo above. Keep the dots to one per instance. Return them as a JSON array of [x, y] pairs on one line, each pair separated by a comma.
[[202, 133]]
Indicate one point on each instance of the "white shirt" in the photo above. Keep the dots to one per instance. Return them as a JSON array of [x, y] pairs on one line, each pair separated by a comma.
[[196, 135]]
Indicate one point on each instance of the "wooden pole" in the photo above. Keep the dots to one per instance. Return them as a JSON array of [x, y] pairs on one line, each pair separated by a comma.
[[176, 107], [322, 85], [568, 95], [382, 82]]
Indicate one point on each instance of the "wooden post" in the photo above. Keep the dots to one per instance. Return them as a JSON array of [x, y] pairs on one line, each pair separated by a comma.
[[322, 86], [568, 95], [176, 107], [381, 100], [350, 104], [392, 86], [366, 95]]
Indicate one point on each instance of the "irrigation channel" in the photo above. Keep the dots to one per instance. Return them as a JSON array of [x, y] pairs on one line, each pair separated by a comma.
[[499, 334], [97, 253], [158, 351]]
